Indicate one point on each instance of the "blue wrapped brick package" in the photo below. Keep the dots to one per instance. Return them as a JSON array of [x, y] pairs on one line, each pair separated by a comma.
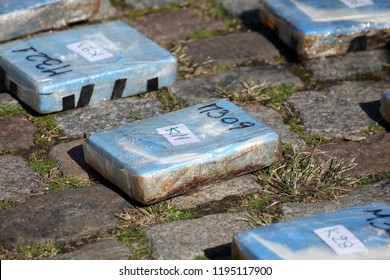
[[318, 28], [87, 65], [385, 106], [361, 232], [160, 157], [23, 17]]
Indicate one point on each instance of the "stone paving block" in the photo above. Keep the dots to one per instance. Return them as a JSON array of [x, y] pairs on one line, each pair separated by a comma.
[[342, 111], [84, 121], [62, 217], [353, 233], [17, 132], [139, 5], [247, 10], [6, 99], [206, 89], [109, 249], [17, 179], [350, 64], [208, 236], [106, 11], [372, 193], [71, 160], [323, 28], [214, 193], [275, 121], [56, 13], [233, 49], [168, 27], [385, 106], [86, 65], [371, 156], [160, 157]]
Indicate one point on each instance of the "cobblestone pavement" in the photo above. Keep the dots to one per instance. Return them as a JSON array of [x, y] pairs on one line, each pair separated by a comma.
[[54, 206]]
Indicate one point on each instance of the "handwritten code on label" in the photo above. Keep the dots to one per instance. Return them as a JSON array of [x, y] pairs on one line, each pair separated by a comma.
[[89, 50], [341, 240], [178, 134], [357, 3]]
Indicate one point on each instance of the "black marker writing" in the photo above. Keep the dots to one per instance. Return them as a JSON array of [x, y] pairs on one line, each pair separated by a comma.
[[45, 62], [216, 112], [378, 221]]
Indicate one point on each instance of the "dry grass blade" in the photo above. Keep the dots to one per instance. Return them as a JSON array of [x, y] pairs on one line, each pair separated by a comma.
[[142, 217], [303, 177], [187, 68]]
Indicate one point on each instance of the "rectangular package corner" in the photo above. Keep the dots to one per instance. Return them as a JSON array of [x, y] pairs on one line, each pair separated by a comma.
[[385, 106], [319, 28], [24, 17], [87, 65], [160, 157], [361, 232]]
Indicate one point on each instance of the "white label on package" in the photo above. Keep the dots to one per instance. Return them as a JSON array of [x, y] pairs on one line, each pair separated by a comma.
[[341, 240], [178, 134], [89, 50], [357, 3]]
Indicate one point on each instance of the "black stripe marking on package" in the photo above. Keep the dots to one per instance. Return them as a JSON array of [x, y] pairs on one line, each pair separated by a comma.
[[13, 88], [85, 95], [2, 75], [119, 87], [68, 102], [152, 84]]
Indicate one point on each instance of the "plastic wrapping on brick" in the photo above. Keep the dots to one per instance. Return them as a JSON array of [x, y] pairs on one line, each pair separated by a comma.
[[87, 65], [23, 17], [361, 232], [385, 106], [160, 157], [319, 28]]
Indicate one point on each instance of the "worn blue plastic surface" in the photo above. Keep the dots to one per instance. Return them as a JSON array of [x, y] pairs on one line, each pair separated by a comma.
[[166, 155], [23, 17], [296, 239], [385, 106], [83, 66], [328, 27], [9, 6]]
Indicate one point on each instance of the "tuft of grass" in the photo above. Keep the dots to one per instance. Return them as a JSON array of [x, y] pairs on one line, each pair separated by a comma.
[[137, 241], [49, 131], [256, 202], [7, 150], [258, 218], [66, 182], [216, 69], [41, 163], [11, 110], [37, 251], [215, 11], [170, 102], [380, 176], [261, 208], [201, 258], [281, 60], [7, 204], [202, 34], [272, 96], [298, 177], [301, 177], [162, 212], [30, 252], [128, 11], [372, 129], [187, 68]]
